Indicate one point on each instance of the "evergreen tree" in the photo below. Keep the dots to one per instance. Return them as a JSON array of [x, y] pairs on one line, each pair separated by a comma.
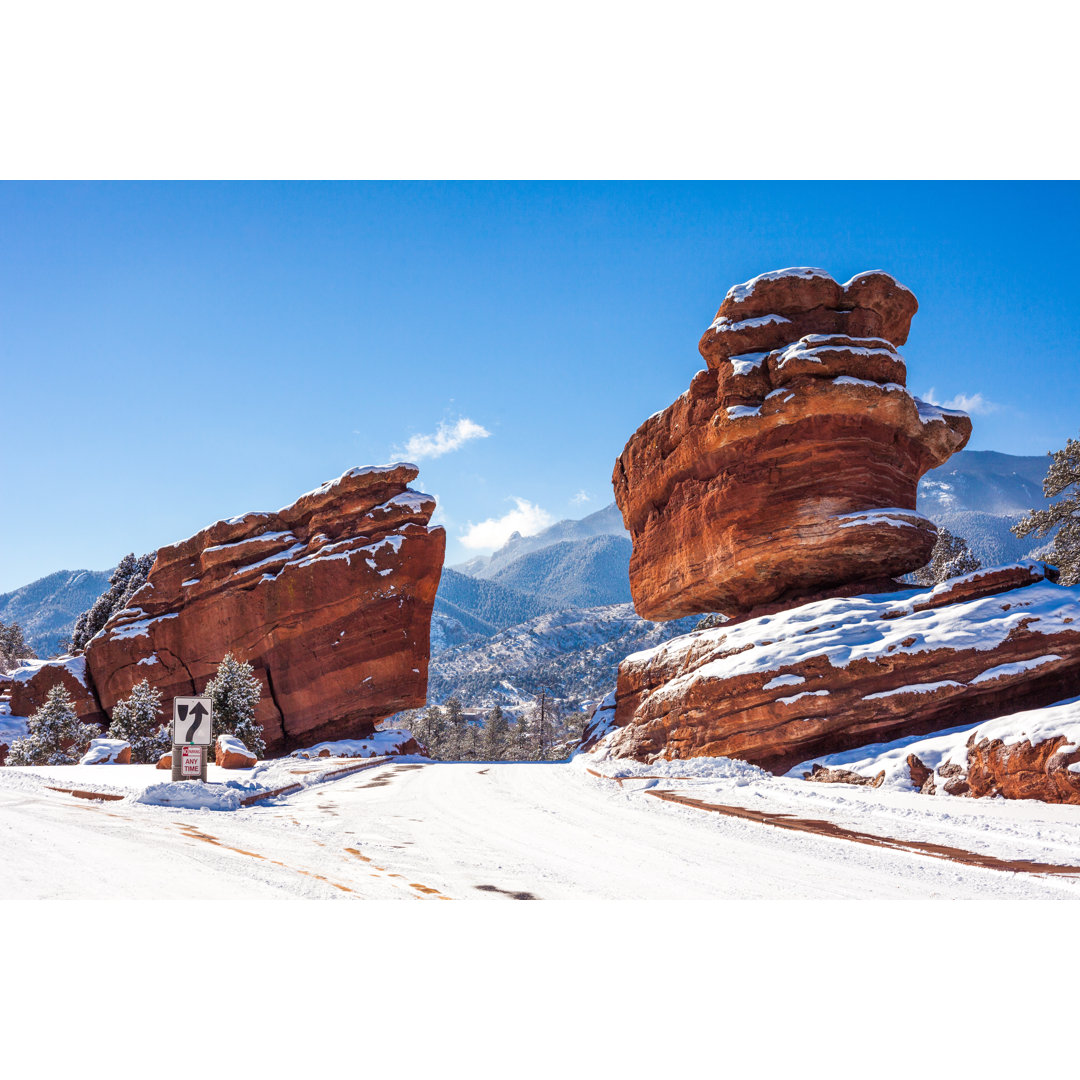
[[126, 580], [13, 648], [234, 693], [137, 719], [455, 745], [429, 729], [950, 558], [56, 736], [1062, 478], [495, 739]]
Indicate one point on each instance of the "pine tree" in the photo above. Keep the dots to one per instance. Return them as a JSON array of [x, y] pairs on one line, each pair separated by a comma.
[[950, 558], [13, 647], [126, 580], [234, 694], [429, 729], [456, 742], [56, 736], [494, 742], [1062, 478], [137, 720]]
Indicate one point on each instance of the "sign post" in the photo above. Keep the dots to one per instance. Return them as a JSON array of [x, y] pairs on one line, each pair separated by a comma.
[[193, 722]]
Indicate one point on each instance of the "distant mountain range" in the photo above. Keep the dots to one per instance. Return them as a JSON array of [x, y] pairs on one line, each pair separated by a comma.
[[553, 610], [46, 609]]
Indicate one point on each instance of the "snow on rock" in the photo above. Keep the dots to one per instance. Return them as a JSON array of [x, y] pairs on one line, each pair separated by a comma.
[[231, 753], [107, 752], [891, 664], [387, 742], [32, 681], [790, 467]]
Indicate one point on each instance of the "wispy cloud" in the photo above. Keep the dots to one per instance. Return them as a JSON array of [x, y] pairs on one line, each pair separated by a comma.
[[581, 497], [446, 438], [526, 518], [975, 403]]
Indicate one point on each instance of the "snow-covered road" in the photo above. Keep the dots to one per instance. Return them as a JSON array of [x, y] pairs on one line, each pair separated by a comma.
[[480, 831]]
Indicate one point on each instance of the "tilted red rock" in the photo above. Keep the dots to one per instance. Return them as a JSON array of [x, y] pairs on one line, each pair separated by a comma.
[[789, 468], [329, 599], [840, 673]]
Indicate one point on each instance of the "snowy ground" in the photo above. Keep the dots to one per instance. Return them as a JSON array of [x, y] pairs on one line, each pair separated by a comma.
[[409, 829]]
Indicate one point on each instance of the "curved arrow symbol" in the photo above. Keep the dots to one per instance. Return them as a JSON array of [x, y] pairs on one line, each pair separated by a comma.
[[198, 712]]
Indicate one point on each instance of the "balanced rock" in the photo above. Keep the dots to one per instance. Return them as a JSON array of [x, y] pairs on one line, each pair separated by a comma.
[[329, 599], [838, 674], [789, 467]]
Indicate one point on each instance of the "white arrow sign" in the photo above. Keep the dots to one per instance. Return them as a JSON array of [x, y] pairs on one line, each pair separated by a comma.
[[192, 720]]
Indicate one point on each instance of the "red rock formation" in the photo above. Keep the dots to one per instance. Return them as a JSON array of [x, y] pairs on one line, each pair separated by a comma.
[[838, 674], [165, 761], [35, 678], [329, 599], [789, 468], [1021, 770]]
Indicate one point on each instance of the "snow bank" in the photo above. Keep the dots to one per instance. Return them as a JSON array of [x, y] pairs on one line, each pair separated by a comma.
[[12, 728], [192, 795]]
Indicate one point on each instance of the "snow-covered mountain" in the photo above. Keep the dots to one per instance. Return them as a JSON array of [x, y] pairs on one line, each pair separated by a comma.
[[980, 495], [605, 522], [986, 482], [46, 609]]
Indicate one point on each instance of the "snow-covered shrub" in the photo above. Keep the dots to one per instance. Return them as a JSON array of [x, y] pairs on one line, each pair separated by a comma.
[[55, 735], [137, 719], [126, 580], [234, 693]]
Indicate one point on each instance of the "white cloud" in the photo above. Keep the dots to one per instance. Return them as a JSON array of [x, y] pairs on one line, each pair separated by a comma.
[[581, 497], [527, 518], [446, 438], [975, 403]]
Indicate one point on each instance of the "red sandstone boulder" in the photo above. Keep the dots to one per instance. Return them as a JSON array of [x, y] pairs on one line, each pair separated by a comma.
[[789, 468], [841, 673], [231, 753], [165, 761], [32, 682], [329, 599]]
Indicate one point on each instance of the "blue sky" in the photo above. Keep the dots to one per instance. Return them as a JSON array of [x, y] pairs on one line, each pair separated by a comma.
[[176, 353]]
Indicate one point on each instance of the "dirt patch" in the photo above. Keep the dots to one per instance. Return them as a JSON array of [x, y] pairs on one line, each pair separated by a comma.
[[819, 827]]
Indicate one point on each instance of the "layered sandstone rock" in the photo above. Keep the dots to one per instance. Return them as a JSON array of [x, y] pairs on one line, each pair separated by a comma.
[[789, 467], [329, 599], [32, 682], [841, 673]]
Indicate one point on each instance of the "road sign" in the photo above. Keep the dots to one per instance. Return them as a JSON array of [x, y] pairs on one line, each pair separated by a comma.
[[192, 720], [191, 760]]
